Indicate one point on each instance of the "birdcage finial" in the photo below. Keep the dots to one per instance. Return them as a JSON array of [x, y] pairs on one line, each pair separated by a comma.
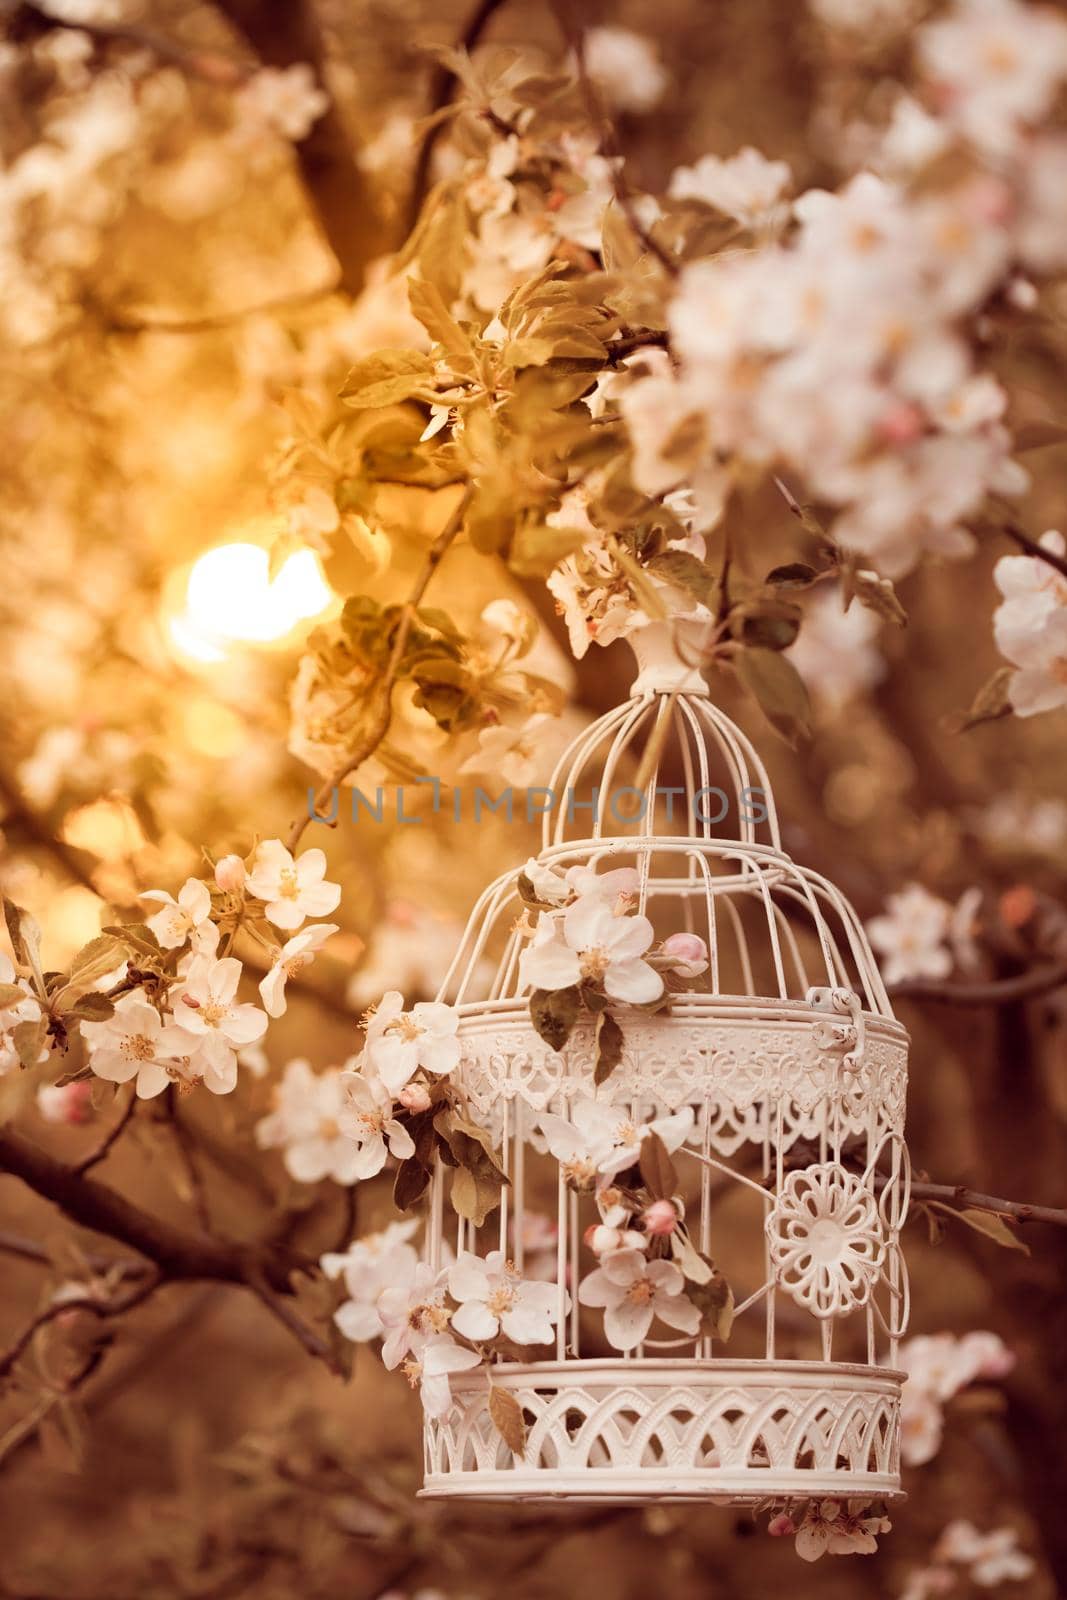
[[665, 662]]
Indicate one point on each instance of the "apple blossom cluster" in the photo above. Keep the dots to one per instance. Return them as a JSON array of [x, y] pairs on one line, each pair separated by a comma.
[[938, 1367], [921, 936], [1030, 628], [179, 1020], [832, 1527], [344, 1123], [433, 1324]]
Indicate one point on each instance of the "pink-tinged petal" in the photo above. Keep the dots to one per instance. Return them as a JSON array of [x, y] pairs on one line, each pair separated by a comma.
[[627, 1324], [633, 981], [151, 1080], [272, 991], [220, 1073], [358, 1322], [525, 1325], [674, 1130], [284, 914], [113, 1065], [401, 1144], [1034, 691], [439, 1055], [542, 1297], [564, 1142], [598, 1290], [624, 1267], [393, 1059], [245, 1024], [589, 923], [309, 1161], [137, 1016], [630, 937], [310, 868], [667, 1278], [677, 1312], [225, 976], [812, 1540], [320, 899], [368, 1159], [468, 1278], [549, 966], [437, 1017], [474, 1320]]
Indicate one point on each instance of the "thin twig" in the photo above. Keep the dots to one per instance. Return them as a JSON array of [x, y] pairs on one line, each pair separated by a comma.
[[999, 992], [1032, 548], [118, 321], [305, 1336], [103, 1149], [957, 1194], [442, 90], [382, 714], [13, 1244], [59, 1308], [213, 67]]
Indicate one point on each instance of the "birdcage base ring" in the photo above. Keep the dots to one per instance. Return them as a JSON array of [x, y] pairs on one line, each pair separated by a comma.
[[626, 1432]]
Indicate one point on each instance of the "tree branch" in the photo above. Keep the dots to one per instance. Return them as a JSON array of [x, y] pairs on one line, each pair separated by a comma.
[[337, 188], [1032, 548], [59, 1308], [442, 89], [957, 1194], [178, 1255], [222, 70], [383, 711], [1000, 992], [103, 1149]]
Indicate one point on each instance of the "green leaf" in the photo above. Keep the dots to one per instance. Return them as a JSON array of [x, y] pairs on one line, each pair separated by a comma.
[[697, 1268], [474, 1195], [779, 689], [29, 1040], [608, 1042], [688, 572], [715, 1300], [994, 1227], [770, 624], [91, 1007], [991, 702], [506, 1415], [553, 1013], [11, 995], [25, 936], [875, 593], [389, 376], [428, 305], [411, 1183], [537, 548], [657, 1168]]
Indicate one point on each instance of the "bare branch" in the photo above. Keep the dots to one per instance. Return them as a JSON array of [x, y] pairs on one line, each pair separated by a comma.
[[1032, 548], [382, 713], [95, 1307], [178, 1255], [957, 1194], [305, 1336], [115, 1133], [999, 992]]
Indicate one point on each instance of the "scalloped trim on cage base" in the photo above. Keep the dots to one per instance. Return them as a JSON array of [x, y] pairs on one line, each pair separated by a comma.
[[729, 1432], [758, 1066]]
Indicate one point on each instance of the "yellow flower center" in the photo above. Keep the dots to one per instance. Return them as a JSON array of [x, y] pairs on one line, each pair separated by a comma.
[[502, 1299], [640, 1292], [139, 1046], [288, 887], [594, 964], [213, 1013], [405, 1026]]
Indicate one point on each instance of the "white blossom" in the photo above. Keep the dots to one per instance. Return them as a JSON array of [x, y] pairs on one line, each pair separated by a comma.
[[178, 919], [367, 1119], [494, 1298], [1030, 627], [286, 101], [289, 960], [600, 1139], [292, 889], [911, 936], [589, 942], [305, 1125], [377, 1261], [135, 1043], [634, 1291], [746, 186], [626, 67], [399, 1042]]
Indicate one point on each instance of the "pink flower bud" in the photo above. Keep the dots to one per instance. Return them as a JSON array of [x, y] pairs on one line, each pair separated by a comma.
[[415, 1097], [781, 1526], [70, 1104], [685, 953], [230, 874], [661, 1217], [901, 423]]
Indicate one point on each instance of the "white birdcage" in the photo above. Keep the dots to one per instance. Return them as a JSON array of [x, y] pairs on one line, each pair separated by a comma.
[[795, 1070]]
